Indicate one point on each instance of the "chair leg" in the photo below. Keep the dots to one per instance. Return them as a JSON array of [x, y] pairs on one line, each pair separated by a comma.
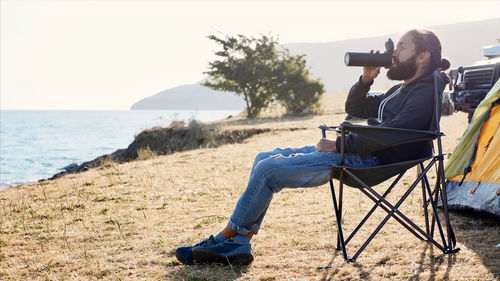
[[450, 242], [435, 215], [391, 213], [340, 236], [429, 197], [341, 191], [377, 204], [341, 242], [435, 195], [444, 198], [394, 209], [424, 199]]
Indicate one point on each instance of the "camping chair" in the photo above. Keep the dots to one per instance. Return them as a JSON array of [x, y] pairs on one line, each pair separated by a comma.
[[365, 178]]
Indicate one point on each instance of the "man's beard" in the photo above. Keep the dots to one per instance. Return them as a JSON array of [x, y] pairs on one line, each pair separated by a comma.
[[403, 70]]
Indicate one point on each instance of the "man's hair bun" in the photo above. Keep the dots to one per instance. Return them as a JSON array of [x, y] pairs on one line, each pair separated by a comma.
[[445, 64]]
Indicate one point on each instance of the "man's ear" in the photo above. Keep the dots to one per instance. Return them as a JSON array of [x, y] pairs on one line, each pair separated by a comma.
[[423, 57]]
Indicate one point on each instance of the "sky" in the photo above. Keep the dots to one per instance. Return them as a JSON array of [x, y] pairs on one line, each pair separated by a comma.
[[109, 54]]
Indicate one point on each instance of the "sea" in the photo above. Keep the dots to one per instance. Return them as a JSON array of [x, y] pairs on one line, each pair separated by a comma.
[[36, 144]]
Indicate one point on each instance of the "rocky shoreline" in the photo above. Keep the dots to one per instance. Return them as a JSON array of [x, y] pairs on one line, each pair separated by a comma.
[[167, 140]]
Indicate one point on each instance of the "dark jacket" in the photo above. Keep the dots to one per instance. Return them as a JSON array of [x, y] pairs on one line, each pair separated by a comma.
[[411, 108]]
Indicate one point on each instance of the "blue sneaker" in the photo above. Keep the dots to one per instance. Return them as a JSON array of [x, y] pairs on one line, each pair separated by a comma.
[[226, 252], [185, 254]]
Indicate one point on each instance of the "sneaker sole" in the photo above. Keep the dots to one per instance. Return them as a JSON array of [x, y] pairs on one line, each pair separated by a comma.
[[179, 258], [205, 256]]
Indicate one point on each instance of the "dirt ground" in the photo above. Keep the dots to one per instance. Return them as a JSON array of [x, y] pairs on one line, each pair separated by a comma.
[[123, 222]]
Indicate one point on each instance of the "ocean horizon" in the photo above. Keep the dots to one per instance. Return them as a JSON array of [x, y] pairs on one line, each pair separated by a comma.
[[36, 144]]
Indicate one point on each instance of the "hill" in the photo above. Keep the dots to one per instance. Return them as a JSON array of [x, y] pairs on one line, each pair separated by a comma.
[[192, 96], [462, 45]]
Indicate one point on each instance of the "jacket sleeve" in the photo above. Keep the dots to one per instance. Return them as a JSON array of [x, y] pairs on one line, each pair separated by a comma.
[[416, 114], [361, 105]]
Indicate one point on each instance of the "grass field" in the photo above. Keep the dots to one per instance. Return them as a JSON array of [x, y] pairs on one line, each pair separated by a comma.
[[124, 221]]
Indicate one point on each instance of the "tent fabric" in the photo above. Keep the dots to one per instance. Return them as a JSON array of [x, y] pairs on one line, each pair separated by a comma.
[[486, 164], [478, 152], [460, 158], [485, 197]]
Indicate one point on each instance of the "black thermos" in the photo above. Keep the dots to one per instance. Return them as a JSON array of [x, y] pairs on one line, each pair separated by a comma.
[[367, 59]]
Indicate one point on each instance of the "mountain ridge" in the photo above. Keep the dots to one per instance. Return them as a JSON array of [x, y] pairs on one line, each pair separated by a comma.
[[326, 62]]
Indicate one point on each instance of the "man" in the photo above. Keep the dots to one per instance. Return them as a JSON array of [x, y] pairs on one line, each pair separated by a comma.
[[408, 105]]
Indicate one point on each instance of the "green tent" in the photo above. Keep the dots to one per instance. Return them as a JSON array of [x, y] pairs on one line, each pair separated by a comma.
[[473, 170]]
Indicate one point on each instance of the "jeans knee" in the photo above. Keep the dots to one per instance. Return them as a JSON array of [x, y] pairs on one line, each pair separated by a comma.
[[267, 154], [265, 173], [264, 166], [261, 156]]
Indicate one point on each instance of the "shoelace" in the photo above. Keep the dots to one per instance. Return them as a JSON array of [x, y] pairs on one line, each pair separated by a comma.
[[210, 241], [226, 242]]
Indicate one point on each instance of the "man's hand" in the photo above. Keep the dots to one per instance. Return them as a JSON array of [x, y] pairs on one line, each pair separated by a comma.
[[370, 72], [326, 145]]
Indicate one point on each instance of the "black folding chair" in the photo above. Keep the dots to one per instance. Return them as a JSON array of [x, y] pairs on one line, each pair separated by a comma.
[[365, 178]]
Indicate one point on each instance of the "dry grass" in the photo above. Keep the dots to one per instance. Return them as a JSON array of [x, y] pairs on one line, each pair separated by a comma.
[[123, 222], [145, 154]]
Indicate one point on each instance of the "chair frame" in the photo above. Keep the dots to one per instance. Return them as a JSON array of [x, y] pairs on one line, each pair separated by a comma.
[[447, 244]]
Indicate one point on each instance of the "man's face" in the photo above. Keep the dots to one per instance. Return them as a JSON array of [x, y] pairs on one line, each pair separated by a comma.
[[405, 65]]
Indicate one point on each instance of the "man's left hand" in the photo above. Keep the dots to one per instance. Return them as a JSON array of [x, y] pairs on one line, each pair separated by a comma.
[[326, 145]]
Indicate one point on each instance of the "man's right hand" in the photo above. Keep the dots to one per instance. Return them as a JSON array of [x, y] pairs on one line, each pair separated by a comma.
[[370, 72]]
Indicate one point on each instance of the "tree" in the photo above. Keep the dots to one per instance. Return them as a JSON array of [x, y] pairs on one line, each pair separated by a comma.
[[254, 68], [245, 68], [295, 89]]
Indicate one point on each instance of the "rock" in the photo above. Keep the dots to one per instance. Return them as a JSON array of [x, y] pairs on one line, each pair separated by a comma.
[[162, 141], [71, 168]]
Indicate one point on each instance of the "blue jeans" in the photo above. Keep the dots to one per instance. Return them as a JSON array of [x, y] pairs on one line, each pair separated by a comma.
[[279, 168]]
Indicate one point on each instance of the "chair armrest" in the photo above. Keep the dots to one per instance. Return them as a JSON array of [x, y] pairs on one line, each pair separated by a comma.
[[389, 136], [325, 127]]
